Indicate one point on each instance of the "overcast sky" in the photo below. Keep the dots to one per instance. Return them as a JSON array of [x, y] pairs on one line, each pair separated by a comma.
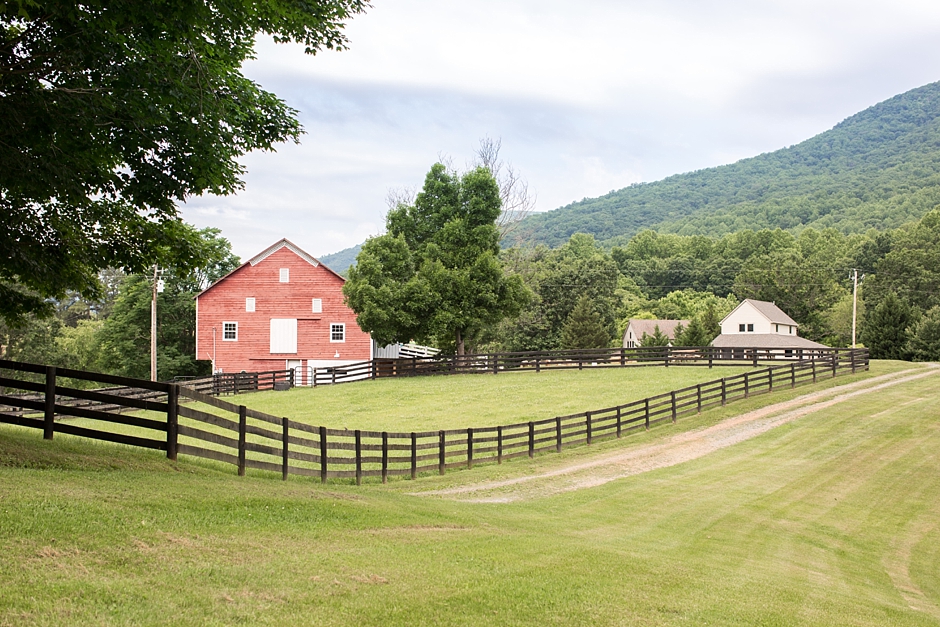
[[587, 97]]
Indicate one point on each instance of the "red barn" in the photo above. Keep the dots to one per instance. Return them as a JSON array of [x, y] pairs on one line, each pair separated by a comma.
[[281, 309]]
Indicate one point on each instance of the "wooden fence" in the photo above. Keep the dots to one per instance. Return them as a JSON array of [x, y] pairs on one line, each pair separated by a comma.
[[537, 361], [248, 438]]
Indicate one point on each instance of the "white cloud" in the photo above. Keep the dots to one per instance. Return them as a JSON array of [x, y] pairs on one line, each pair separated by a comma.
[[587, 97]]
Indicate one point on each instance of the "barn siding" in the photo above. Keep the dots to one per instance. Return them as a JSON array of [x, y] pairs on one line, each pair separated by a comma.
[[225, 302]]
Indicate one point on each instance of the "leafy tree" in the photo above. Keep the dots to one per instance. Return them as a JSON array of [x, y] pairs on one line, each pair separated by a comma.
[[584, 327], [658, 338], [886, 329], [711, 323], [113, 112], [911, 269], [435, 276], [924, 342], [694, 335]]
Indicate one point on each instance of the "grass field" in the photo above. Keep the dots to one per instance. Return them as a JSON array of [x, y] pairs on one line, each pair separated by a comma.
[[833, 519], [454, 402]]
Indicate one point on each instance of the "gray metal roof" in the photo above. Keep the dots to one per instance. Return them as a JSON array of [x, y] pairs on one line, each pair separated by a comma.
[[764, 340]]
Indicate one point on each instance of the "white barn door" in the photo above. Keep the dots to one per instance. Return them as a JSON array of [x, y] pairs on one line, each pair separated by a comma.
[[283, 335]]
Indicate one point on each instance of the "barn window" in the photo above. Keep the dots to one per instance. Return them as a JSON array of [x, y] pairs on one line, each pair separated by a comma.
[[750, 327], [283, 335], [317, 305], [249, 304], [285, 275], [230, 331], [740, 328], [337, 332]]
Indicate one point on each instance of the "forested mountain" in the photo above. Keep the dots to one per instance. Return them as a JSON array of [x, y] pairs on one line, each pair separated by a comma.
[[877, 169]]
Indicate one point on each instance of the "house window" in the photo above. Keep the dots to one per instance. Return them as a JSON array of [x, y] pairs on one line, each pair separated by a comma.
[[283, 335], [337, 332], [740, 328], [317, 305], [750, 328], [285, 275], [249, 304], [791, 330], [230, 331]]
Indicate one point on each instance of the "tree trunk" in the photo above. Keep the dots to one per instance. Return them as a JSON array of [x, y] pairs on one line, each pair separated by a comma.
[[460, 345]]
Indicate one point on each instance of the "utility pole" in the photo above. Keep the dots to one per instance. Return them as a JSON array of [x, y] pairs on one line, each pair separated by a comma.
[[153, 328], [854, 303]]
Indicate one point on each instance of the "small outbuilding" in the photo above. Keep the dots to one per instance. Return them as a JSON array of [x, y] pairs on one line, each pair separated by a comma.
[[637, 328], [761, 324]]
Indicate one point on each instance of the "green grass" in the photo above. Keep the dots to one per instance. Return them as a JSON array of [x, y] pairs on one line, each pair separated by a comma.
[[817, 522], [455, 402]]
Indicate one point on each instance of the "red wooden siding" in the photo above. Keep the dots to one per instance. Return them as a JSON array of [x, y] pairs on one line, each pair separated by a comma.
[[225, 302]]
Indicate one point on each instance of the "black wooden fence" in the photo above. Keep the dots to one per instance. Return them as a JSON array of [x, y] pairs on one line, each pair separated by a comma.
[[248, 438]]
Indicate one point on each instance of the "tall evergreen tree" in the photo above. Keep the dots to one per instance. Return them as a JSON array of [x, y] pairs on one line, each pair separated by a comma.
[[658, 338], [584, 327], [924, 342], [886, 328]]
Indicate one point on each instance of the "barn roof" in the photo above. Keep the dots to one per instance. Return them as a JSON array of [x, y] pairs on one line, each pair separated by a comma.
[[270, 250], [764, 340]]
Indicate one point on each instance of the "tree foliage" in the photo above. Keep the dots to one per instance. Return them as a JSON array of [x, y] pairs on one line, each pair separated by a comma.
[[584, 328], [886, 328], [435, 276], [113, 112], [924, 342]]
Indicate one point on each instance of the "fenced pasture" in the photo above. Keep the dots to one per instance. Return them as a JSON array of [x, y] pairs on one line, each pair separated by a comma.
[[248, 438]]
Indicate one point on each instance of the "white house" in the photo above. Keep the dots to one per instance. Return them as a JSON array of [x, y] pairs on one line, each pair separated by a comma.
[[759, 324], [637, 328]]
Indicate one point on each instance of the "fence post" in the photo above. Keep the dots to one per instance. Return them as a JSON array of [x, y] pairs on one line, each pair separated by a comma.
[[673, 398], [698, 398], [323, 460], [290, 378], [792, 374], [835, 363], [373, 367], [623, 356], [442, 455], [414, 455], [495, 363], [384, 457], [666, 354], [852, 353], [587, 422], [470, 447], [711, 355], [558, 434], [358, 435], [537, 368], [646, 403], [285, 468], [814, 369], [531, 438], [48, 425], [724, 392], [499, 444], [754, 355], [747, 385], [172, 420], [619, 420], [242, 432]]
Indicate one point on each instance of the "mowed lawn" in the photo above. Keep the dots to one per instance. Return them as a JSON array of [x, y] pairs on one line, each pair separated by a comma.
[[483, 400], [828, 520]]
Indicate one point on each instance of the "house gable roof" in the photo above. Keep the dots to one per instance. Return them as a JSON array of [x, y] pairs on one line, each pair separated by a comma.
[[270, 250], [774, 314], [666, 327]]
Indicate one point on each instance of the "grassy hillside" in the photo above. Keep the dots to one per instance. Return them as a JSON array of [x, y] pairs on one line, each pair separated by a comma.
[[828, 520], [877, 169]]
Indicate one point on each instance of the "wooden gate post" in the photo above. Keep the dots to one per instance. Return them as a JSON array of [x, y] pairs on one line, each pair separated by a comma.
[[499, 444], [242, 433], [172, 420], [358, 435], [469, 447], [285, 459], [48, 425], [384, 457], [442, 455], [323, 460]]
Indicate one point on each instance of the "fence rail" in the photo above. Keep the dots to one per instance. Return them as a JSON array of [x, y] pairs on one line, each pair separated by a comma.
[[247, 438]]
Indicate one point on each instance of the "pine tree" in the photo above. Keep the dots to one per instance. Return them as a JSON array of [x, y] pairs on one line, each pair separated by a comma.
[[711, 325], [658, 338], [584, 327], [694, 335], [886, 329], [924, 342]]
